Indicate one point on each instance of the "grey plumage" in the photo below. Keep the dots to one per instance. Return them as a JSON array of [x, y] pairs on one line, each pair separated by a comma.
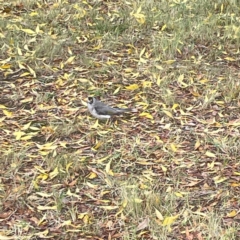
[[102, 111]]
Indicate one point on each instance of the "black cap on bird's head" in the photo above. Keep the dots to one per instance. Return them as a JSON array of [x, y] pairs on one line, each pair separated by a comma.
[[90, 100]]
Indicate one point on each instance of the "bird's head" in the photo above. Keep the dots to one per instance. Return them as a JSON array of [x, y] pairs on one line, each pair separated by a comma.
[[91, 100]]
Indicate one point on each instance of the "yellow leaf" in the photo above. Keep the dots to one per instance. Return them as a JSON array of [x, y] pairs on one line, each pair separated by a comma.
[[221, 8], [173, 147], [18, 134], [211, 165], [73, 194], [103, 159], [25, 74], [159, 80], [108, 207], [230, 59], [123, 205], [142, 60], [92, 175], [44, 153], [54, 173], [130, 51], [42, 220], [200, 213], [145, 114], [169, 220], [42, 176], [140, 18], [5, 66], [139, 9], [92, 185], [219, 180], [35, 184], [81, 215], [178, 194], [37, 29], [2, 106], [142, 52], [28, 99], [62, 144], [159, 67], [32, 71], [142, 162], [27, 137], [111, 174], [138, 140], [158, 214], [86, 219], [128, 70], [19, 51], [138, 200], [98, 145], [169, 189], [163, 27], [132, 87], [116, 91], [197, 144], [204, 80], [33, 14], [66, 223], [168, 62], [235, 184], [40, 169], [7, 113], [47, 146], [97, 47], [217, 124], [108, 166], [61, 65], [232, 213], [68, 166], [169, 114], [164, 169], [210, 154], [43, 194], [175, 105], [147, 84], [26, 126], [181, 77], [47, 208], [29, 31], [143, 186], [95, 125], [180, 80], [70, 60]]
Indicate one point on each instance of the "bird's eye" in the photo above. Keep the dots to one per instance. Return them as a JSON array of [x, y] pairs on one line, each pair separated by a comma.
[[90, 99]]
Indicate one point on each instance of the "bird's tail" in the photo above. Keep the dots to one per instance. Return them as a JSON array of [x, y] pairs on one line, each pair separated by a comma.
[[123, 110]]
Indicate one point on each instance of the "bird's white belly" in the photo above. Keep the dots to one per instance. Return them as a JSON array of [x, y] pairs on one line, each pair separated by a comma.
[[96, 115]]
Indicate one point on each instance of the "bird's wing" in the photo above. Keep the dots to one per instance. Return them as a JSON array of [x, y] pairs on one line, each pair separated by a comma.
[[104, 109]]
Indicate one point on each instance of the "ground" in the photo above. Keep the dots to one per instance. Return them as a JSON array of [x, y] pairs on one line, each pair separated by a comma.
[[168, 171]]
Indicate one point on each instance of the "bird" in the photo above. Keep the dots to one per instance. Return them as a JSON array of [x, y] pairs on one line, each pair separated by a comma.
[[102, 111]]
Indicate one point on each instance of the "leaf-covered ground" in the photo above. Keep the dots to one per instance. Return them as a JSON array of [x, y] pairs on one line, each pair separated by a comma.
[[169, 171]]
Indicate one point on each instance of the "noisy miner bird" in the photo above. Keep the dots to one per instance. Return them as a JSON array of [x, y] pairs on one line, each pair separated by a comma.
[[102, 111]]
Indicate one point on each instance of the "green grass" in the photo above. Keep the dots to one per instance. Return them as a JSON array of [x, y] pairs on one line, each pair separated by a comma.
[[170, 171]]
